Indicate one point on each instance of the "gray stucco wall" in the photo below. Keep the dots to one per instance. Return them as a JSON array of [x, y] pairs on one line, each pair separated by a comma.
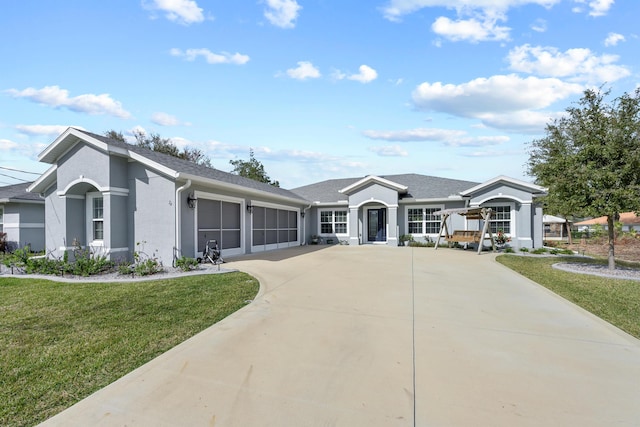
[[24, 225], [83, 160], [153, 212]]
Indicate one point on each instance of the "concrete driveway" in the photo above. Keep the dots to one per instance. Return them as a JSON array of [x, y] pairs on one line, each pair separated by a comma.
[[384, 336]]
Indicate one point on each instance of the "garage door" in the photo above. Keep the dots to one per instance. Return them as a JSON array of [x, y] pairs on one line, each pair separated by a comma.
[[273, 228], [219, 220]]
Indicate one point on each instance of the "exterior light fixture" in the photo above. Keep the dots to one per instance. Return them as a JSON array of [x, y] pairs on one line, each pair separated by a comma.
[[191, 200]]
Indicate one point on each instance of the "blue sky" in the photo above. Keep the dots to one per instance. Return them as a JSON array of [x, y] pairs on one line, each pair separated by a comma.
[[318, 89]]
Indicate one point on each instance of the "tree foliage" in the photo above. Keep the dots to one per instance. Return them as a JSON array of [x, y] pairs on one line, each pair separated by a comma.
[[590, 159], [155, 142], [252, 169]]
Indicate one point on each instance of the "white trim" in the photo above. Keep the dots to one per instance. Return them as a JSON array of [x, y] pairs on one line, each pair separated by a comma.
[[23, 225], [508, 180], [248, 192], [365, 225], [272, 246], [333, 221], [91, 196], [45, 180], [500, 196], [372, 200], [72, 196], [372, 178], [116, 191], [81, 179], [220, 198], [421, 206], [512, 220]]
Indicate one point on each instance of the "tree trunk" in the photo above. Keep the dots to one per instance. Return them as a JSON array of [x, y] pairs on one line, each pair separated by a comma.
[[568, 228], [611, 233]]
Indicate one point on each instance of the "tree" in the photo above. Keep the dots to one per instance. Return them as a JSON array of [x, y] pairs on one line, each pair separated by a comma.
[[252, 169], [590, 159], [155, 142]]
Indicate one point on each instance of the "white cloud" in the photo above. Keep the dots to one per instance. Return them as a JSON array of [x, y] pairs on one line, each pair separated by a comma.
[[164, 119], [526, 121], [365, 75], [181, 11], [419, 134], [496, 97], [210, 57], [305, 70], [390, 151], [7, 145], [500, 93], [55, 97], [282, 13], [449, 137], [578, 64], [472, 30], [613, 39], [43, 129], [539, 25], [596, 7]]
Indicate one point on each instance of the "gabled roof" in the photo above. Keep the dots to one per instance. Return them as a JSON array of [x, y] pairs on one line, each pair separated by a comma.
[[372, 179], [412, 186], [18, 193], [533, 188], [165, 164]]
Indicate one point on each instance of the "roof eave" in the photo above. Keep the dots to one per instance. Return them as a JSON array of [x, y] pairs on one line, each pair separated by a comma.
[[235, 187]]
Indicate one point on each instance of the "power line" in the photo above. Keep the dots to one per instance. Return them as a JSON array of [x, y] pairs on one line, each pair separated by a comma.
[[18, 170], [13, 177]]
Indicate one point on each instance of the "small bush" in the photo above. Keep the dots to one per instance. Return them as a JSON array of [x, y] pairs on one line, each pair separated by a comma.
[[524, 249], [509, 251], [539, 251], [186, 263]]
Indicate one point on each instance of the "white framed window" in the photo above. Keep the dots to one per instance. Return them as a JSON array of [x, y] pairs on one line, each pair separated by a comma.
[[501, 218], [1, 219], [421, 220], [95, 218], [333, 221]]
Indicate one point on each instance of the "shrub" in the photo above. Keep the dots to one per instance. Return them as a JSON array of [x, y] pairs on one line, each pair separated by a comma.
[[186, 263], [539, 251], [524, 249], [509, 250]]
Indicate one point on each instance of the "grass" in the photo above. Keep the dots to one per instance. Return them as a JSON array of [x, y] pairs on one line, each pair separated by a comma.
[[60, 342], [615, 300]]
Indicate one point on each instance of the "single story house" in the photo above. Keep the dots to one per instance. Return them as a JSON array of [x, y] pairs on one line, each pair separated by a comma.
[[117, 198], [555, 227], [22, 217], [629, 220]]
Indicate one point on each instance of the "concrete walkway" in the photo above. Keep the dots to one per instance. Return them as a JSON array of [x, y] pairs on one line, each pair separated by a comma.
[[381, 336]]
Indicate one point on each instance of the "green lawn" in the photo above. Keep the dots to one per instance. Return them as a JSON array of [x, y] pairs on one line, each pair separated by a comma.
[[60, 342], [614, 300]]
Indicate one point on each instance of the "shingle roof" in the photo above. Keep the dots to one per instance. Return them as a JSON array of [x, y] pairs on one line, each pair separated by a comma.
[[187, 167], [18, 192], [419, 187]]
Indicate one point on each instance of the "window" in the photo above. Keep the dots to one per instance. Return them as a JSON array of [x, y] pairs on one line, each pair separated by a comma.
[[423, 221], [1, 219], [98, 218], [500, 219], [333, 222]]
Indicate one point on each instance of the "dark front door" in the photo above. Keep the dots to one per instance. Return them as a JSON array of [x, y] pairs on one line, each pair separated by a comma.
[[376, 224]]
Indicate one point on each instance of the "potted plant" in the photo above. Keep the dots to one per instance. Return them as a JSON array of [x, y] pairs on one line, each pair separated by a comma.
[[315, 239], [405, 238], [502, 239]]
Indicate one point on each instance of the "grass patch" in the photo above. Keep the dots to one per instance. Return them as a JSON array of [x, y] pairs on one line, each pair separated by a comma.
[[63, 341], [615, 300]]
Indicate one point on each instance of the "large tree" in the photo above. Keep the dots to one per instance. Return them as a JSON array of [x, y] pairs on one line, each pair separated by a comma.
[[590, 159], [155, 142], [252, 169]]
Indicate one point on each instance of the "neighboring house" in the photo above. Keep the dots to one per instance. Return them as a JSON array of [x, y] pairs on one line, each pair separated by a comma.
[[378, 209], [555, 227], [629, 220], [22, 217], [118, 198]]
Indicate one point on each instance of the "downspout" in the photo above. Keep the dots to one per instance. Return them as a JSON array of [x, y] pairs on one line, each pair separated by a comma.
[[304, 225], [178, 246]]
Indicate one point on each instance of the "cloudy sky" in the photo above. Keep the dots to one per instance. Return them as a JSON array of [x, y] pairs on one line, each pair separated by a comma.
[[318, 88]]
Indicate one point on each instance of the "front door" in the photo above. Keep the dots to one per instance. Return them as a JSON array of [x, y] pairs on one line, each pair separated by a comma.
[[377, 225]]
